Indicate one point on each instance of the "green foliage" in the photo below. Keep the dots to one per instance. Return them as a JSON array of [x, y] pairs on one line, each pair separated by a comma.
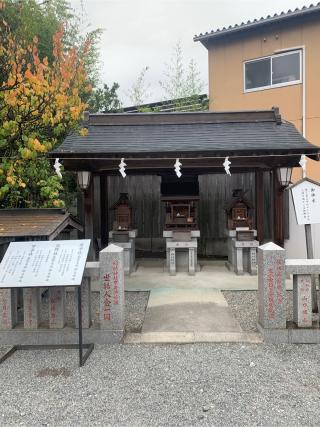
[[139, 91], [104, 99], [180, 82]]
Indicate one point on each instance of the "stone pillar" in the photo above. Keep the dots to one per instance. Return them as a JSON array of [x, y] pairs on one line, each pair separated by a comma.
[[172, 261], [271, 286], [253, 261], [238, 267], [85, 303], [31, 308], [57, 298], [8, 309], [112, 314], [192, 265], [302, 300]]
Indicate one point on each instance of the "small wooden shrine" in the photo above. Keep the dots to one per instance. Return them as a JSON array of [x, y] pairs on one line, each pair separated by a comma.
[[239, 211], [181, 212], [123, 213]]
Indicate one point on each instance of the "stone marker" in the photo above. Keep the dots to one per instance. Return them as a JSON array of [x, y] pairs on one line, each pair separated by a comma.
[[8, 308], [271, 286], [31, 308], [253, 261], [172, 261], [192, 266], [302, 300], [112, 315], [85, 303], [57, 298]]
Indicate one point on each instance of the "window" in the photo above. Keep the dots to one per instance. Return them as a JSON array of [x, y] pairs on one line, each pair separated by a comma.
[[273, 71]]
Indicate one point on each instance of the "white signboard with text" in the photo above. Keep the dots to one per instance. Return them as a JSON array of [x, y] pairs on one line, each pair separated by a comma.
[[306, 199], [44, 264]]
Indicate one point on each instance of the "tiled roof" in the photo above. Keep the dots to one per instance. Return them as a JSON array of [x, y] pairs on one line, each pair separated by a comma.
[[283, 16], [131, 135]]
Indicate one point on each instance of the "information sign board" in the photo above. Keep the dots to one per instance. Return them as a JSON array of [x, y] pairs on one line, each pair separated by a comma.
[[44, 263], [306, 199]]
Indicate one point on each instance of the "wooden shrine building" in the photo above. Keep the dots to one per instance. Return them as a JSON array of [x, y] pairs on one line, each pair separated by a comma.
[[256, 142]]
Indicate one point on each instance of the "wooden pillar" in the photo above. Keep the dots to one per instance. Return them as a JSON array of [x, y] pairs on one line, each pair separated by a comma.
[[104, 211], [88, 219], [260, 205], [96, 201], [278, 205]]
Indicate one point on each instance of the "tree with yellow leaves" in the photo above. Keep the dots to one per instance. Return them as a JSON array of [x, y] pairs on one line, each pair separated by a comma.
[[39, 104]]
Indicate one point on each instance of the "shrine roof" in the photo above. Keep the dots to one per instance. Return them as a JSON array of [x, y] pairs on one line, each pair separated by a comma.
[[183, 135], [35, 223]]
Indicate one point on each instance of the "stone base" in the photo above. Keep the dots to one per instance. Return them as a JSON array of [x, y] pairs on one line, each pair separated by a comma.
[[66, 335], [291, 335]]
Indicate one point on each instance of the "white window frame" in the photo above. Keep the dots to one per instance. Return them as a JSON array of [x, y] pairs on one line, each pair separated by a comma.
[[272, 86]]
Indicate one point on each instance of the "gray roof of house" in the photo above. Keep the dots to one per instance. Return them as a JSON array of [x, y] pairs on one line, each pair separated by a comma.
[[156, 134], [282, 17]]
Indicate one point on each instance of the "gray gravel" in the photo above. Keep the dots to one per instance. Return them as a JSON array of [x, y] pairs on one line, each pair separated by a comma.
[[136, 304], [244, 306], [203, 384]]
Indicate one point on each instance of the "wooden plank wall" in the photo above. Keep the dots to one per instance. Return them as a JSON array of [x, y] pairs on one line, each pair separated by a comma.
[[215, 191], [144, 194]]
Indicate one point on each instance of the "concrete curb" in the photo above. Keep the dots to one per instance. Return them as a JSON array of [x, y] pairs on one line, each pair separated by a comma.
[[192, 337]]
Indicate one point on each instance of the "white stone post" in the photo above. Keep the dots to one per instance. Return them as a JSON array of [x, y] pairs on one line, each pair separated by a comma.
[[192, 266], [172, 261], [31, 308], [302, 300], [8, 309], [253, 261], [271, 286], [85, 303], [57, 296], [112, 308]]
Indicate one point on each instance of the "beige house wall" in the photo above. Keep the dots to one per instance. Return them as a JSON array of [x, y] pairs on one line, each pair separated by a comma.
[[226, 76]]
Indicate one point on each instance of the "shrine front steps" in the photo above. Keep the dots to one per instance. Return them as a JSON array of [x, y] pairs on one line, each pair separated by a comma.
[[192, 337]]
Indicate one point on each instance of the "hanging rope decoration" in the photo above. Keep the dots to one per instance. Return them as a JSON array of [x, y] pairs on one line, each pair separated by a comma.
[[303, 164], [177, 167], [226, 164], [57, 167], [122, 168]]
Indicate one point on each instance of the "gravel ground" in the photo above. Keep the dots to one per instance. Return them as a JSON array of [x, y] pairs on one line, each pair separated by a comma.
[[186, 385], [244, 306], [136, 304]]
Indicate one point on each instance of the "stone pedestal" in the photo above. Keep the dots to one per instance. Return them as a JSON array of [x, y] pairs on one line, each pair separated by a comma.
[[241, 260], [31, 308], [112, 315], [127, 241], [57, 302], [182, 252], [245, 256], [271, 286], [8, 309]]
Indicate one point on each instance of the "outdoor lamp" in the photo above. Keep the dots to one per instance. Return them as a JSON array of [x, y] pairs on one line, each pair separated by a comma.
[[284, 176], [84, 179]]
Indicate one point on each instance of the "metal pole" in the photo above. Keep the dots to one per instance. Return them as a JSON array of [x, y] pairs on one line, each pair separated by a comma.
[[80, 325]]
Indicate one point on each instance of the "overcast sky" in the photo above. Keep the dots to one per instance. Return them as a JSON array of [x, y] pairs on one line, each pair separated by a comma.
[[140, 33]]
